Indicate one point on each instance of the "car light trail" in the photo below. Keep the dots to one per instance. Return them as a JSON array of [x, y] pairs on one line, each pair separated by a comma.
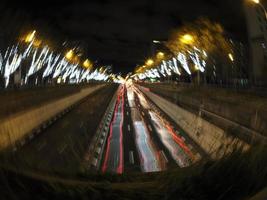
[[175, 145], [175, 149], [150, 159], [148, 155], [113, 161]]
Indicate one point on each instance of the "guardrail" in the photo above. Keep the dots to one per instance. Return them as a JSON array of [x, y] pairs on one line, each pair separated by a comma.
[[96, 148]]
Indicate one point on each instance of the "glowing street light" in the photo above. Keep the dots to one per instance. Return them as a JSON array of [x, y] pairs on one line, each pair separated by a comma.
[[255, 1], [187, 39], [87, 64], [231, 57], [30, 37], [160, 55], [156, 41], [69, 54], [259, 3], [149, 62]]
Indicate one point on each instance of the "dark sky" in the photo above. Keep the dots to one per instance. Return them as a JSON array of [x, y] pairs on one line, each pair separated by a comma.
[[120, 32]]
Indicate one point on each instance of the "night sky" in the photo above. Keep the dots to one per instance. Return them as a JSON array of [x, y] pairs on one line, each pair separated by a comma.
[[120, 32]]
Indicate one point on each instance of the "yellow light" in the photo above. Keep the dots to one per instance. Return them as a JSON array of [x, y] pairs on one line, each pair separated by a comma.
[[187, 39], [160, 55], [255, 1], [69, 54], [30, 36], [149, 62], [231, 57], [87, 64], [37, 43], [75, 59]]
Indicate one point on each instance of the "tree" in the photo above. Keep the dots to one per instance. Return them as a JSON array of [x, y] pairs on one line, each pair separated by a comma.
[[209, 38]]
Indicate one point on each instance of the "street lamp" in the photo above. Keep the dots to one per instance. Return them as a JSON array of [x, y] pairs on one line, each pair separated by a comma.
[[156, 41], [160, 55], [69, 54], [149, 62], [30, 37], [87, 64], [259, 3], [231, 57], [187, 39]]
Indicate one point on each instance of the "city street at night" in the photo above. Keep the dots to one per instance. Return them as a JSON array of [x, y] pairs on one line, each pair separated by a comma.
[[144, 99]]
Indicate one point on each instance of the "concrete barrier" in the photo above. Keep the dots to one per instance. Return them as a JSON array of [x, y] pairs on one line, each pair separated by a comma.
[[96, 147], [212, 139], [18, 126]]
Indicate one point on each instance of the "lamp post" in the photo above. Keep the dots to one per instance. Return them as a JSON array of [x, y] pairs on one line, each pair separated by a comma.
[[257, 2]]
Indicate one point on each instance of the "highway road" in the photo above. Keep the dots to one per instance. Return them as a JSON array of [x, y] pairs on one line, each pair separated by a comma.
[[142, 139]]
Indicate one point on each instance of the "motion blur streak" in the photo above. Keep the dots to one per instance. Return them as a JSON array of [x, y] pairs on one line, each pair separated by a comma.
[[148, 154], [174, 148], [113, 161], [174, 144]]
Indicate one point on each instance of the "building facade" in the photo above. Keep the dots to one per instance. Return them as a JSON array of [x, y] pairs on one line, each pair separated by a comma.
[[257, 33]]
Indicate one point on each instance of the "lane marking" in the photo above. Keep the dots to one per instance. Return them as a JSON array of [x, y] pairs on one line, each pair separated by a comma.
[[150, 128], [164, 156], [129, 127], [131, 157]]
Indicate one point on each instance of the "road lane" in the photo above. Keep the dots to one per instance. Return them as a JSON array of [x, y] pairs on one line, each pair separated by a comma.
[[131, 156], [173, 143], [113, 161], [150, 159], [178, 154]]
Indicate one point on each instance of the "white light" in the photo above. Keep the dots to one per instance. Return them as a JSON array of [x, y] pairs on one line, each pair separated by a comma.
[[182, 59], [175, 69]]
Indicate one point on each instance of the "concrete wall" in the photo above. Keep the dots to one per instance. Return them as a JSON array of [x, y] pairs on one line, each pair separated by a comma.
[[253, 117], [212, 139], [20, 125]]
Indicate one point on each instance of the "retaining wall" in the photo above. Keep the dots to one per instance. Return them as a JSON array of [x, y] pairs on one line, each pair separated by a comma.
[[212, 139], [15, 128]]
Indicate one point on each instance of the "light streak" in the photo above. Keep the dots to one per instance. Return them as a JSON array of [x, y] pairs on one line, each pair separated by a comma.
[[182, 59], [42, 58]]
